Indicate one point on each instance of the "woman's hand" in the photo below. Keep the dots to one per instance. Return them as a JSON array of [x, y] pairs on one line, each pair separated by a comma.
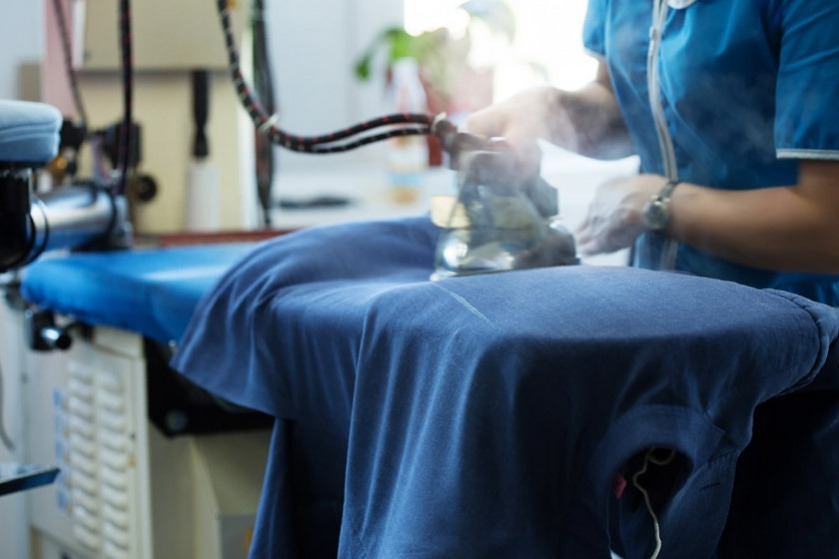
[[616, 214], [520, 121]]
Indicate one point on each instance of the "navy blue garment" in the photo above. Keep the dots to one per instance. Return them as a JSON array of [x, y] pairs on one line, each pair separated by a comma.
[[747, 89], [279, 334], [488, 416]]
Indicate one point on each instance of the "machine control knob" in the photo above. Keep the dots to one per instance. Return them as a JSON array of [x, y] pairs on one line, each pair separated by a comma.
[[56, 338], [42, 334]]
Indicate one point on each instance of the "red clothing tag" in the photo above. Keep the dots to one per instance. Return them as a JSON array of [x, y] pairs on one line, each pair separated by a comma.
[[619, 485]]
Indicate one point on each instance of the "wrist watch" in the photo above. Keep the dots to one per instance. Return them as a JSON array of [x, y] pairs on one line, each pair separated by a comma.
[[657, 210]]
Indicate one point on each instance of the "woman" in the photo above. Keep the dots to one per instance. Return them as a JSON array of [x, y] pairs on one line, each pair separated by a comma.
[[733, 108]]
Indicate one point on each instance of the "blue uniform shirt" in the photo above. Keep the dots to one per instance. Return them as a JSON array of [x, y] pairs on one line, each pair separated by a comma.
[[731, 95]]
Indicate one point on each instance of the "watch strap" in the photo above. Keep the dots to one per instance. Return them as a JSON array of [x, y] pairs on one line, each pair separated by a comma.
[[667, 190], [657, 212]]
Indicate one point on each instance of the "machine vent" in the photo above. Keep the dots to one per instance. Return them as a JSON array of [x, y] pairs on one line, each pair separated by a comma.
[[100, 456]]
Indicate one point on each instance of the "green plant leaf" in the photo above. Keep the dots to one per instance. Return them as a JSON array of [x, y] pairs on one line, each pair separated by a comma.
[[402, 46], [362, 67]]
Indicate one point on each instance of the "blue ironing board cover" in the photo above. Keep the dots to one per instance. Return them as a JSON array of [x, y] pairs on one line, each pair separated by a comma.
[[28, 132], [488, 416], [149, 291]]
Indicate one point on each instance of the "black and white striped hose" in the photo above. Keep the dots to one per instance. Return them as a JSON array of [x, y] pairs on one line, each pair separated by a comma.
[[402, 124]]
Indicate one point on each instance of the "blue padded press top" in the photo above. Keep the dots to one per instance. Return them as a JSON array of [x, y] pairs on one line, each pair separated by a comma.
[[152, 292], [29, 132]]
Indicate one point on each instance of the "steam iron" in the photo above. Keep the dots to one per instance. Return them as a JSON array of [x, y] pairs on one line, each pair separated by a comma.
[[497, 223]]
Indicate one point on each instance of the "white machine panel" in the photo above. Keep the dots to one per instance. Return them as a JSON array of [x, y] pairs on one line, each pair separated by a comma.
[[126, 491], [100, 452], [97, 402]]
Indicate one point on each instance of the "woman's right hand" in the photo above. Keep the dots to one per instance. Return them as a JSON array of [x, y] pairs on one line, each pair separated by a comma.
[[520, 121]]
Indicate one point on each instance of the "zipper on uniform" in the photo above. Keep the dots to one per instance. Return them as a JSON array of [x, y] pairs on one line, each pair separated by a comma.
[[669, 248], [665, 141]]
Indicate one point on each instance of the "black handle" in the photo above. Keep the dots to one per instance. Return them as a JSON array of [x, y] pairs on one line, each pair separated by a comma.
[[200, 111]]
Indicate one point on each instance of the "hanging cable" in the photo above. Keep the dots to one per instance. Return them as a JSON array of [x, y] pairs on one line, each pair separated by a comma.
[[405, 124], [66, 49], [263, 84], [126, 129], [650, 458]]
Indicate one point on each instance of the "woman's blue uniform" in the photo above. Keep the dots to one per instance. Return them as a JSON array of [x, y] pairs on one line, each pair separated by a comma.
[[728, 94]]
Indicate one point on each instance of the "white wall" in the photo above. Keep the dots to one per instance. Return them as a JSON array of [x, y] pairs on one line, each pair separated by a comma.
[[22, 31], [313, 48]]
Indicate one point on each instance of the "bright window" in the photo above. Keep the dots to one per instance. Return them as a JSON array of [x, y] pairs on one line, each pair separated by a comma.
[[548, 33]]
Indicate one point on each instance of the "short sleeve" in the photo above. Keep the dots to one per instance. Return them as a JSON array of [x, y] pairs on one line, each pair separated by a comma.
[[807, 106], [594, 29]]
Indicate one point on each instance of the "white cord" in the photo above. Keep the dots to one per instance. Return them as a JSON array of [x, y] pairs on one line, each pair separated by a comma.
[[648, 459]]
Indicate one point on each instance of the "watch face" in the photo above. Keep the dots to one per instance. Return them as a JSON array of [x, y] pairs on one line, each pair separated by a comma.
[[656, 214], [657, 210]]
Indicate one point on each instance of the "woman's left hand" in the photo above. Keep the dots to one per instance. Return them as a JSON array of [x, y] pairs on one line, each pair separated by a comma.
[[616, 214]]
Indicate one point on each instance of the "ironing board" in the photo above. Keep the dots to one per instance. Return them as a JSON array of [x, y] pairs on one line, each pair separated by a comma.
[[491, 416], [150, 291]]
